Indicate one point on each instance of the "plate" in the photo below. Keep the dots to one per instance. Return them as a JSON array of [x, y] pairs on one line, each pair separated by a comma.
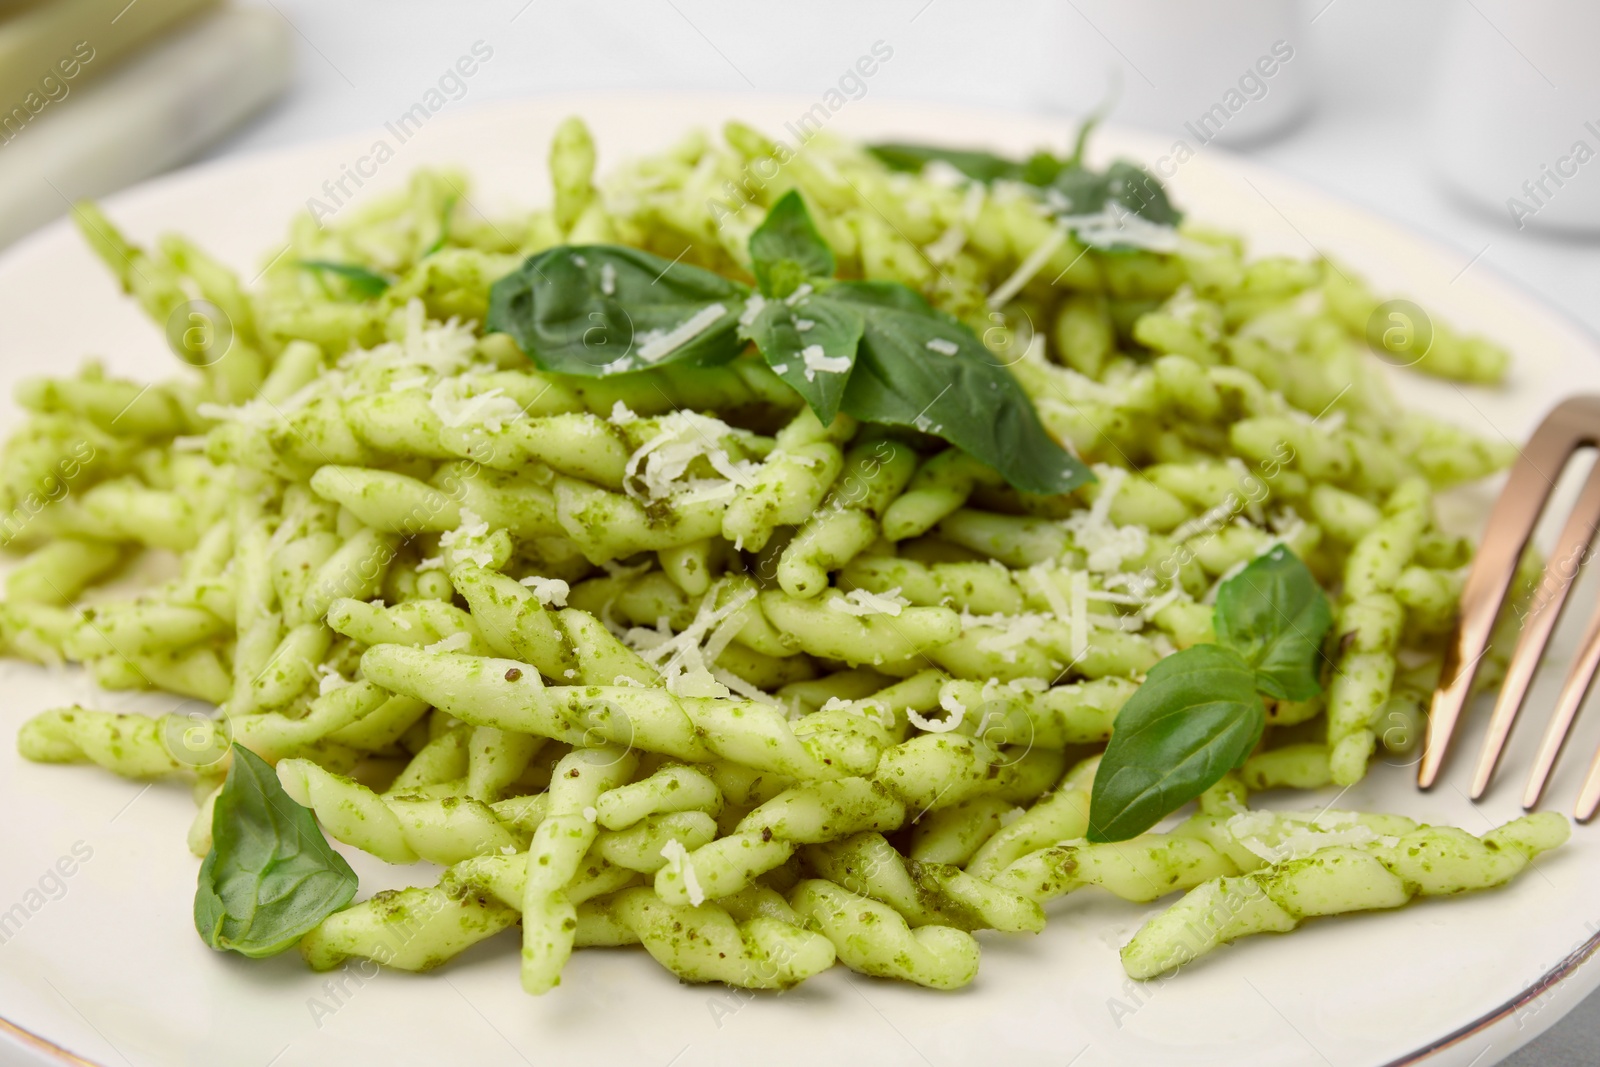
[[103, 961]]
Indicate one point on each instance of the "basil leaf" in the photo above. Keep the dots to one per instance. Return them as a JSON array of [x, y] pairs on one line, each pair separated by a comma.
[[1275, 616], [906, 375], [1069, 187], [1138, 190], [981, 166], [359, 280], [804, 344], [608, 309], [1196, 716], [1077, 191], [270, 876], [786, 248]]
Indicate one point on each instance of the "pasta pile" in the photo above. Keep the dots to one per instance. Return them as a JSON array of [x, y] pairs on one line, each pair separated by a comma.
[[660, 658]]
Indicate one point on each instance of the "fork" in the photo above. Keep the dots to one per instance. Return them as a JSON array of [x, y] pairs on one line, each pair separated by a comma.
[[1573, 424]]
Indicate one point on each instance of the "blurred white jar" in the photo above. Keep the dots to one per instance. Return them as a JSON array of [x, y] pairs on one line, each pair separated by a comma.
[[1230, 71], [1517, 111]]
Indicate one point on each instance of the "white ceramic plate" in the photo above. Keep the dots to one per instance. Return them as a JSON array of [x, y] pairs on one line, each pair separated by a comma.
[[106, 962]]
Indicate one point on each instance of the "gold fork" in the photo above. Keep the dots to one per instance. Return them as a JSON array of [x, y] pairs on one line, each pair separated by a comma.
[[1574, 424]]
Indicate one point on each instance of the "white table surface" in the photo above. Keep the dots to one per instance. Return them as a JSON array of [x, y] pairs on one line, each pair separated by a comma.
[[363, 62]]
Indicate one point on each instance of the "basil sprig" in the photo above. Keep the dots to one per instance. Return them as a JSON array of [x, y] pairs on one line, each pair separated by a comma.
[[1275, 616], [1067, 186], [1199, 713], [874, 350], [610, 309], [880, 352], [922, 368], [270, 876]]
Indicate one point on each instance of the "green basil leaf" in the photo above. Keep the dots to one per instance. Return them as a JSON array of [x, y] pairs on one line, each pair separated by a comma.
[[609, 309], [1081, 192], [270, 876], [1138, 190], [1041, 168], [788, 236], [360, 281], [981, 166], [922, 368], [811, 345], [1275, 616], [1078, 191], [1072, 188], [1196, 717]]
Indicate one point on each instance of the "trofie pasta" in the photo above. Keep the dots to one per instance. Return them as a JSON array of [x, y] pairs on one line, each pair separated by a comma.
[[774, 580]]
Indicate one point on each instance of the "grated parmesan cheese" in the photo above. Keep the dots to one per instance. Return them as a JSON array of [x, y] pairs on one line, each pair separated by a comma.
[[1105, 544], [1080, 615], [875, 710], [956, 710], [1015, 631], [947, 245], [1030, 266], [552, 592], [1279, 836], [694, 652], [487, 411], [657, 346], [942, 346], [742, 687], [816, 360], [465, 544], [678, 863], [860, 602], [655, 469], [330, 679], [752, 310], [453, 643], [1115, 225]]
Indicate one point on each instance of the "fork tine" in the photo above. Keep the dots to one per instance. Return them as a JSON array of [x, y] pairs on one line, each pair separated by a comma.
[[1571, 424], [1554, 586], [1572, 696]]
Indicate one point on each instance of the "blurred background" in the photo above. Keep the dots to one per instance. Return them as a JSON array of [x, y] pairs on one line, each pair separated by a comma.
[[1476, 122], [1460, 118]]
